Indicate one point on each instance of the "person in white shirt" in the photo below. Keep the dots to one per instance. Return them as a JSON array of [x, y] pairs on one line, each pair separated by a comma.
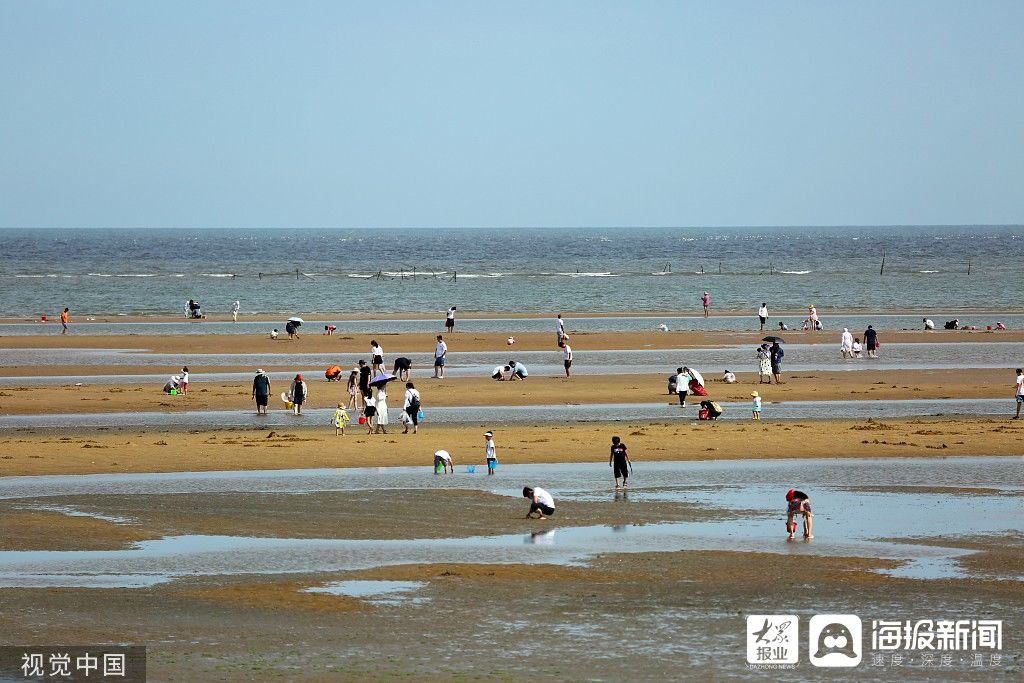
[[541, 502], [234, 311], [377, 358], [729, 378], [498, 372], [566, 355], [846, 344], [560, 329], [490, 453], [443, 463], [682, 386], [411, 406], [183, 388], [928, 324], [762, 314], [1020, 392], [449, 321], [440, 357]]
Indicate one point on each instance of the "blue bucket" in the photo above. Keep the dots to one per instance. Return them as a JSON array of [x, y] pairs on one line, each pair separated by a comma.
[[470, 469]]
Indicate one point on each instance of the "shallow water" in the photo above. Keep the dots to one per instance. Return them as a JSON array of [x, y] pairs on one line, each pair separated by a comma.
[[538, 414], [859, 523]]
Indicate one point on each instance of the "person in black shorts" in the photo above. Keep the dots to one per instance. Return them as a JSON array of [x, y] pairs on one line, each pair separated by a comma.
[[449, 320], [619, 461], [403, 368], [798, 503], [364, 380]]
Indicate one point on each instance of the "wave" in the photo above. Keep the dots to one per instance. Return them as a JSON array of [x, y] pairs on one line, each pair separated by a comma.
[[479, 275], [123, 274], [927, 271], [217, 274], [359, 275], [795, 272], [587, 274]]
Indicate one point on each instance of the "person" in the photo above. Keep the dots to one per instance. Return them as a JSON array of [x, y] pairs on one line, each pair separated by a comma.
[[443, 463], [798, 503], [183, 389], [619, 461], [953, 324], [292, 329], [541, 502], [817, 326], [682, 386], [928, 324], [566, 355], [709, 410], [498, 372], [672, 384], [1000, 326], [188, 308], [449, 321], [382, 410], [350, 387], [696, 383], [364, 379], [440, 356], [871, 341], [762, 315], [490, 454], [64, 320], [1019, 392], [333, 373], [172, 384], [764, 365], [411, 407], [329, 330], [340, 419], [261, 391], [812, 315], [846, 344], [706, 300], [403, 368], [370, 413], [783, 326], [807, 324], [376, 358], [559, 330], [274, 333], [235, 307], [756, 407], [517, 371], [857, 348], [776, 357], [729, 377], [298, 392]]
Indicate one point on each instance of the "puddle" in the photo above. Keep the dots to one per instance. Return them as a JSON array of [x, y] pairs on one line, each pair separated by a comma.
[[375, 592], [72, 512]]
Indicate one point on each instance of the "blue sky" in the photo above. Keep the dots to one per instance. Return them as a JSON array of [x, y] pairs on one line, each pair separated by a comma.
[[321, 114]]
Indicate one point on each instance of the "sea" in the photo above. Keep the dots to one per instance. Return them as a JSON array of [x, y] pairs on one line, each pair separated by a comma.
[[153, 272]]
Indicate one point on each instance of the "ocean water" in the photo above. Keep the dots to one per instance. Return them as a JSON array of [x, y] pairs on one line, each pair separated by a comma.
[[153, 272]]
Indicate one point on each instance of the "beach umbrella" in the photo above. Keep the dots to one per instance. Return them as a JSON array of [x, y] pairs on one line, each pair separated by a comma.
[[382, 379], [771, 338], [296, 319]]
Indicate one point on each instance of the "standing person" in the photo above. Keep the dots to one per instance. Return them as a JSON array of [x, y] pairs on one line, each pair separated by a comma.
[[541, 502], [846, 344], [364, 380], [756, 407], [682, 386], [382, 410], [764, 364], [440, 356], [234, 311], [871, 341], [376, 358], [812, 317], [559, 330], [776, 357], [298, 391], [403, 368], [188, 308], [566, 355], [412, 407], [762, 314], [261, 391], [65, 318], [618, 459], [370, 413], [706, 300], [353, 382], [449, 321], [1020, 392], [183, 389], [340, 419], [490, 453]]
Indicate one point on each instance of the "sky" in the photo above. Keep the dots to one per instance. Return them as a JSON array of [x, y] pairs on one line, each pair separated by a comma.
[[510, 114]]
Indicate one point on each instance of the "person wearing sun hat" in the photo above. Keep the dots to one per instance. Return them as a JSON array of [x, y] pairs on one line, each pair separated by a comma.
[[757, 405], [261, 391], [298, 391], [489, 452]]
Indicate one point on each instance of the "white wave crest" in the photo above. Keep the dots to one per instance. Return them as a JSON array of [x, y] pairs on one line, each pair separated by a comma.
[[795, 272]]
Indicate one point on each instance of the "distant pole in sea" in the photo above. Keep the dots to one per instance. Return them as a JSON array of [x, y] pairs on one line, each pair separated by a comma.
[[968, 265], [296, 273], [882, 269], [719, 267]]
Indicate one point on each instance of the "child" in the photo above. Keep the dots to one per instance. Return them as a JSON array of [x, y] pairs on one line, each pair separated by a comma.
[[370, 412], [857, 348], [489, 452], [273, 333], [798, 503], [756, 406], [183, 389], [340, 419], [618, 460]]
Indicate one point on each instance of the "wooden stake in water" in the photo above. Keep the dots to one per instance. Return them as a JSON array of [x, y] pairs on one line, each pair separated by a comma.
[[968, 265], [882, 269]]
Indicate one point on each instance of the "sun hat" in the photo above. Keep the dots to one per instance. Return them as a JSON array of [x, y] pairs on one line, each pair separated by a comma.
[[259, 371], [488, 433], [790, 494], [754, 393], [298, 377]]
